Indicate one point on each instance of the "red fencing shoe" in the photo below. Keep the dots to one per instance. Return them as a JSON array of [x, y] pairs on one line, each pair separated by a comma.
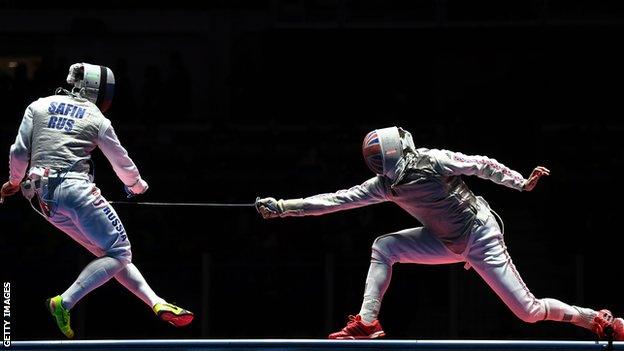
[[618, 329], [357, 329], [603, 320]]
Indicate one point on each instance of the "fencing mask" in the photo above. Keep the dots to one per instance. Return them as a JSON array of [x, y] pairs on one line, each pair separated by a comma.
[[94, 83], [384, 151]]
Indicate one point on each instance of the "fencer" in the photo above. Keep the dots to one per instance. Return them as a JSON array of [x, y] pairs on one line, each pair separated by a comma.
[[457, 226], [51, 159]]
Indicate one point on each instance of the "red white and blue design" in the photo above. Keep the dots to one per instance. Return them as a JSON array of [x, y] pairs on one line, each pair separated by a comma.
[[384, 148], [371, 149]]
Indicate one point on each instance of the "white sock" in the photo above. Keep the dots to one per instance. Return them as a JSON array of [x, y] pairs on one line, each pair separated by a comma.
[[133, 280], [562, 312], [96, 273], [377, 282]]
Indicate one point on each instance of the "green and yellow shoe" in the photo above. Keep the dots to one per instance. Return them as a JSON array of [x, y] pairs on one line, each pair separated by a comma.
[[172, 314], [60, 314]]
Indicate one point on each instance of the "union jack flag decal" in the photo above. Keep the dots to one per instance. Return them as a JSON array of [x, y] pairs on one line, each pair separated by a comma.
[[371, 149]]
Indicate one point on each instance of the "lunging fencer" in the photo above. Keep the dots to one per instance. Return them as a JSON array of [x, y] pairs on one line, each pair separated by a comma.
[[51, 159], [457, 227]]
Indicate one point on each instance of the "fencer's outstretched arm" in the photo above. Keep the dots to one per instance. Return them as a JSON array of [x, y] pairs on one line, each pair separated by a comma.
[[118, 157], [455, 163], [370, 192]]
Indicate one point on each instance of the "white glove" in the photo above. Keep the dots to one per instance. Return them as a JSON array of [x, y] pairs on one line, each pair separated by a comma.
[[269, 207], [138, 188]]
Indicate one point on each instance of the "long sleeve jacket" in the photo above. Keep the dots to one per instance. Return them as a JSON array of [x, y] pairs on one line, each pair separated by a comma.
[[431, 190], [58, 130]]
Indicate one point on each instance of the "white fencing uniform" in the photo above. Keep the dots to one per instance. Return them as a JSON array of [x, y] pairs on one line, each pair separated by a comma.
[[60, 131], [56, 137], [457, 227]]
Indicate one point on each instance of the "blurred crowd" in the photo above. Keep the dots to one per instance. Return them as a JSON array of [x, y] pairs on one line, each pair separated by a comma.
[[146, 93]]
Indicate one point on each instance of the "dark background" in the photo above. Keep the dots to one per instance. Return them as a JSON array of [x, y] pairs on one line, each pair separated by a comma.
[[224, 101]]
